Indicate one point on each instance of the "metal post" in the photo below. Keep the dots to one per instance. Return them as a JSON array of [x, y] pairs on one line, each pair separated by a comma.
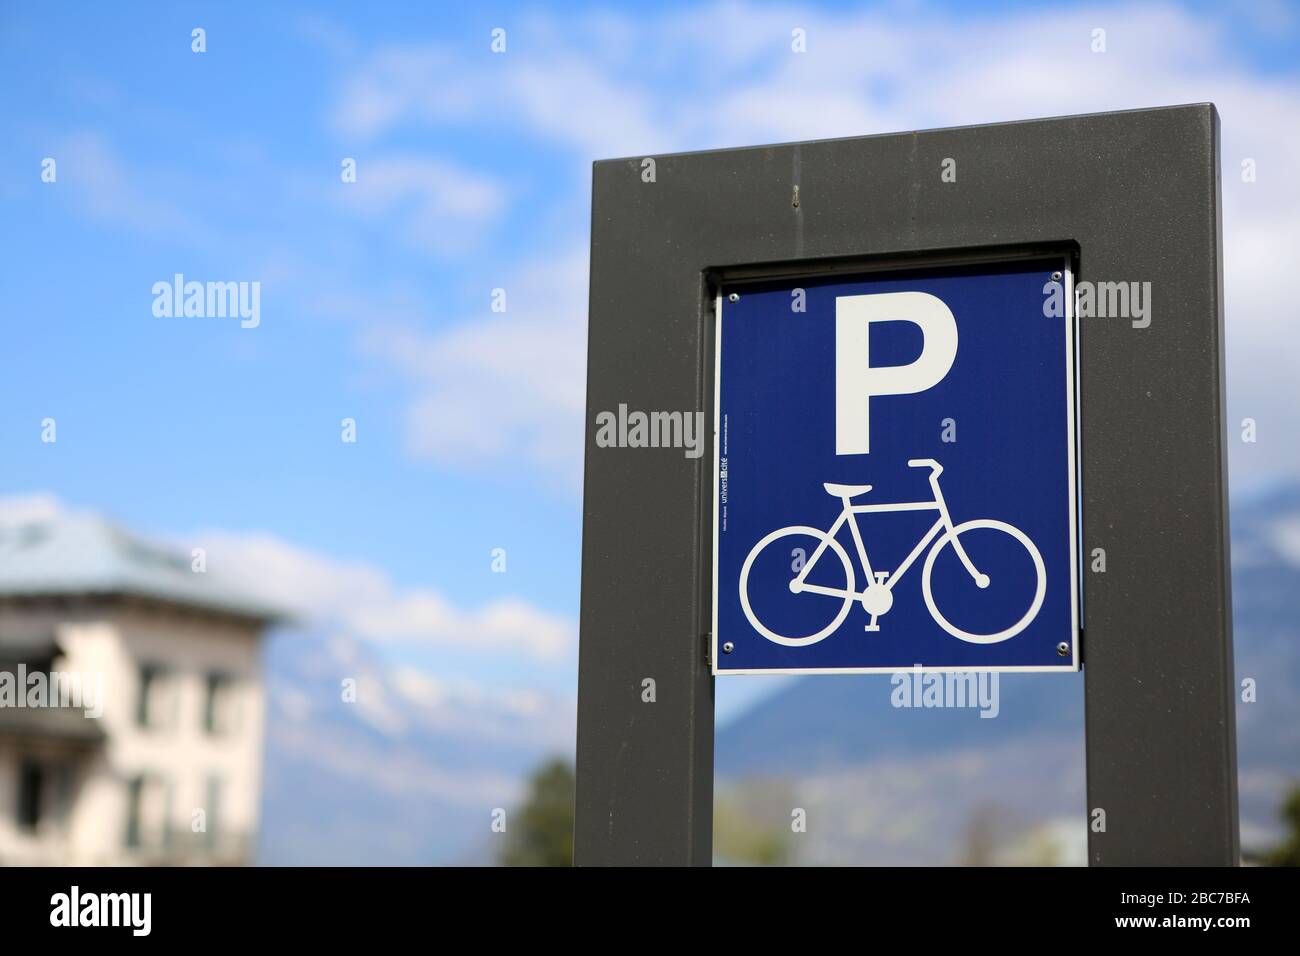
[[1159, 684], [1136, 194]]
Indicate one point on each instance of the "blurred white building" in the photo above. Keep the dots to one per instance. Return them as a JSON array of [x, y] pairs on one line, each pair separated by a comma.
[[170, 772]]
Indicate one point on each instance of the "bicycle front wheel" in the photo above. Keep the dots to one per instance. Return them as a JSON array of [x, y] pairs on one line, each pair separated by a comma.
[[772, 556], [1039, 590]]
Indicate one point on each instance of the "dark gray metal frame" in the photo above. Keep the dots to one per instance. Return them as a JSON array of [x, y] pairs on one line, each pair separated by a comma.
[[1137, 195]]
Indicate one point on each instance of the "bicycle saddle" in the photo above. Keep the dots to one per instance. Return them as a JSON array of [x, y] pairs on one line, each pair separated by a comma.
[[845, 491]]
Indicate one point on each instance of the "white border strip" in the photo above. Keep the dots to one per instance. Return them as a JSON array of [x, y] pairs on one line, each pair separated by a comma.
[[717, 480]]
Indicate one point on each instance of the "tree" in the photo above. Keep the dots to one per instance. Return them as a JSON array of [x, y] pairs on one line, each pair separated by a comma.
[[752, 822], [541, 832], [1287, 853], [981, 837]]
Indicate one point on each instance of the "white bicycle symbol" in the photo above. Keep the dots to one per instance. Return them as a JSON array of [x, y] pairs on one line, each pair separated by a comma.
[[877, 598]]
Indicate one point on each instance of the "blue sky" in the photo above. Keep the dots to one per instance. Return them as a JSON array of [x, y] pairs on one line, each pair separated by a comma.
[[226, 166], [473, 174]]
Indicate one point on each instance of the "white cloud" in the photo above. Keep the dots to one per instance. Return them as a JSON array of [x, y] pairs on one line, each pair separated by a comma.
[[425, 615], [724, 75], [439, 206], [361, 601], [399, 80], [107, 188], [309, 585], [507, 387], [1285, 537]]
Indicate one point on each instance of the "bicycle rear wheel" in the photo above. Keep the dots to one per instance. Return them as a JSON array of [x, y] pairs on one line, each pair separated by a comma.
[[771, 541]]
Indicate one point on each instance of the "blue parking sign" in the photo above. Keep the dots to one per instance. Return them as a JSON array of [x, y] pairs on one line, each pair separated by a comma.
[[895, 472]]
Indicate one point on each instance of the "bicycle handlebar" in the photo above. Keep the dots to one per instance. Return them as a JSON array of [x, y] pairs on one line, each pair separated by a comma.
[[922, 463]]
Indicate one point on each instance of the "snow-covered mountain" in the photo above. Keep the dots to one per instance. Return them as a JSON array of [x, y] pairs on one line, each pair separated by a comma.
[[395, 767]]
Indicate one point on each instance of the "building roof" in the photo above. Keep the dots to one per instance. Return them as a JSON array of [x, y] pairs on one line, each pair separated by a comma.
[[83, 554]]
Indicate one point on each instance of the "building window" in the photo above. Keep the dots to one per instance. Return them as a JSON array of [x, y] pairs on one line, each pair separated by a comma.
[[146, 811], [215, 789], [134, 799], [219, 707], [31, 790], [154, 704], [169, 799]]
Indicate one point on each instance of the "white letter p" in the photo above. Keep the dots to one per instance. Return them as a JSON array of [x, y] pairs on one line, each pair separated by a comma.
[[856, 380]]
